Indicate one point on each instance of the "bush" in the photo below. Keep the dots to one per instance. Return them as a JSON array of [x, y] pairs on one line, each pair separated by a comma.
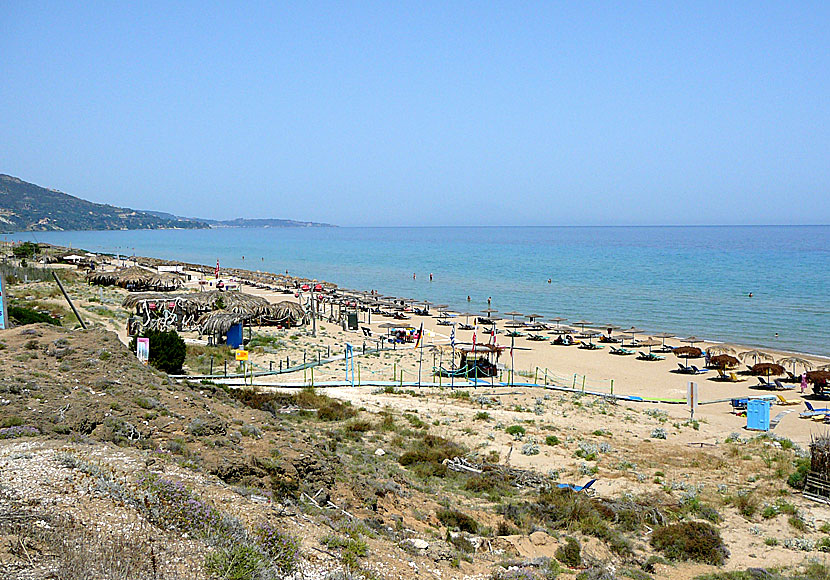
[[167, 350], [552, 440], [570, 553], [22, 316], [516, 430], [798, 478], [238, 562], [457, 520], [428, 454], [26, 250], [696, 541]]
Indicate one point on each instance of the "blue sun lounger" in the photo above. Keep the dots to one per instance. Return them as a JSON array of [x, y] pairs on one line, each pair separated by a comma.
[[573, 487], [812, 411]]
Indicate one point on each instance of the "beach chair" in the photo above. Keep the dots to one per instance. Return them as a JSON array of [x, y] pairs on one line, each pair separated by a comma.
[[781, 386], [722, 375], [698, 371], [782, 401], [812, 411], [366, 331], [765, 384], [734, 378], [650, 356], [584, 488]]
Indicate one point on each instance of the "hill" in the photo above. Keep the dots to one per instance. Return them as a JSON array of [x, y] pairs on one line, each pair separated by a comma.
[[247, 223], [28, 207]]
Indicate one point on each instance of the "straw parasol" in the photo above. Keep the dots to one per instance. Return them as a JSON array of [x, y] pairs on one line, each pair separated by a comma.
[[723, 361], [513, 314], [533, 317], [794, 361], [687, 352], [816, 377], [582, 324], [767, 369], [755, 355], [650, 342], [219, 322], [663, 336], [720, 349], [557, 319], [691, 340]]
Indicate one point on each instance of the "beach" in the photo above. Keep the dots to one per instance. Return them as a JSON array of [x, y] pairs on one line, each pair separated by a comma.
[[567, 367]]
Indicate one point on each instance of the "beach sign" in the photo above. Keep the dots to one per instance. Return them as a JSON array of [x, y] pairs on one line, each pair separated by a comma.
[[692, 398], [142, 349], [3, 314], [242, 355]]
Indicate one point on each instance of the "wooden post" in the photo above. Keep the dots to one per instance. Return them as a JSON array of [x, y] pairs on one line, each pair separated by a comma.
[[68, 299]]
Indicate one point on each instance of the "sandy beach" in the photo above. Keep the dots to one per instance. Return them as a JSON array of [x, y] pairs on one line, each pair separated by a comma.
[[566, 366]]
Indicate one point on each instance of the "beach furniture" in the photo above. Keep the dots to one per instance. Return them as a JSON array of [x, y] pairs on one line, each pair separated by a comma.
[[782, 386], [764, 384], [650, 356], [537, 337], [734, 378], [621, 351], [585, 488], [590, 346], [812, 411], [782, 401], [366, 331]]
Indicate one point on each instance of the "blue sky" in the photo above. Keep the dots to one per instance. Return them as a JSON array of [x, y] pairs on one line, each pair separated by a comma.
[[425, 113]]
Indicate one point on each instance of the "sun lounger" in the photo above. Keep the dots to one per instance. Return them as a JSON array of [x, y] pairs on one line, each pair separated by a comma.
[[782, 401], [621, 351], [590, 346], [812, 411], [366, 331], [574, 487], [734, 378], [782, 386], [537, 337], [765, 384], [650, 356]]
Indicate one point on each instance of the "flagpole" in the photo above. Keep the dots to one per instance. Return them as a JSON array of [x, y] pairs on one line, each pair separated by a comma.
[[512, 364], [421, 358]]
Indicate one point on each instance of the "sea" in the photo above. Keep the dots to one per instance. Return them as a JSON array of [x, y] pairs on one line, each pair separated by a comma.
[[685, 280]]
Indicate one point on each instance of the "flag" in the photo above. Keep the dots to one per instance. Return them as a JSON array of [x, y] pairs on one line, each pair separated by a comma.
[[493, 336], [420, 335], [452, 336], [474, 337], [217, 268]]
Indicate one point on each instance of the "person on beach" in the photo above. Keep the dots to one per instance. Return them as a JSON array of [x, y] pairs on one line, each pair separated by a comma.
[[430, 276], [803, 383], [413, 275]]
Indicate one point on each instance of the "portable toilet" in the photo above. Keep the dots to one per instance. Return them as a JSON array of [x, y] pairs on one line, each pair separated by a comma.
[[351, 318], [757, 414], [234, 337]]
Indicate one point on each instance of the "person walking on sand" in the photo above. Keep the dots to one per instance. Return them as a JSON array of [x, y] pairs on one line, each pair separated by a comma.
[[803, 383]]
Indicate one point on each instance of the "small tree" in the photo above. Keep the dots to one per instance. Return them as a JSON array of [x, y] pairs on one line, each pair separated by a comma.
[[167, 350], [25, 250]]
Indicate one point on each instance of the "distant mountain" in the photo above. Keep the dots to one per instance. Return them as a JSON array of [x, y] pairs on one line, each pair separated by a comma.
[[29, 207], [247, 223]]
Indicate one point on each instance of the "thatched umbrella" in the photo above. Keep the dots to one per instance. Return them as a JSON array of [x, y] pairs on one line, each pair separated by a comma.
[[650, 342], [219, 322], [794, 360], [513, 314], [720, 349], [691, 340], [102, 278], [557, 319], [818, 377], [687, 352], [767, 369], [755, 355], [723, 362], [582, 324]]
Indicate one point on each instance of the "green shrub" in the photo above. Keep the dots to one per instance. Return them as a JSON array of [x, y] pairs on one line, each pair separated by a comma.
[[552, 440], [238, 562], [515, 430], [482, 416], [22, 316], [696, 541], [26, 250], [167, 350], [570, 553], [798, 478], [427, 455], [11, 422], [455, 519]]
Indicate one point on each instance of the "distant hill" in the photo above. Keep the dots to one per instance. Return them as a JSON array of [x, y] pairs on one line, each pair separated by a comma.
[[248, 223], [29, 207]]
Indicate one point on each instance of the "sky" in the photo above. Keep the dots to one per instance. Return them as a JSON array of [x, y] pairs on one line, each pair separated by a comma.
[[425, 113]]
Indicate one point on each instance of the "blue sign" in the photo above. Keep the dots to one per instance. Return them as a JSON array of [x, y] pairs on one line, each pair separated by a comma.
[[2, 303]]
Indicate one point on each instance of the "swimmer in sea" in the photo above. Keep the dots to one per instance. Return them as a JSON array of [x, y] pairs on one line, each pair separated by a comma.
[[750, 294]]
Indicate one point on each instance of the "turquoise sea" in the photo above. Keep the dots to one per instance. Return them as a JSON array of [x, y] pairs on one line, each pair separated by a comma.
[[686, 280]]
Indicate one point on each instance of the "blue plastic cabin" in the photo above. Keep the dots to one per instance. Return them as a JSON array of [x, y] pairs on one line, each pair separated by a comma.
[[757, 414], [234, 338]]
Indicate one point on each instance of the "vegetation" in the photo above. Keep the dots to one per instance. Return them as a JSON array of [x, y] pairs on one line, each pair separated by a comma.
[[20, 316], [167, 350], [31, 207], [697, 541]]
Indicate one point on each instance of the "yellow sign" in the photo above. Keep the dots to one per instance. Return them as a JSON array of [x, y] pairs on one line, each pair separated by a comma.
[[242, 355]]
